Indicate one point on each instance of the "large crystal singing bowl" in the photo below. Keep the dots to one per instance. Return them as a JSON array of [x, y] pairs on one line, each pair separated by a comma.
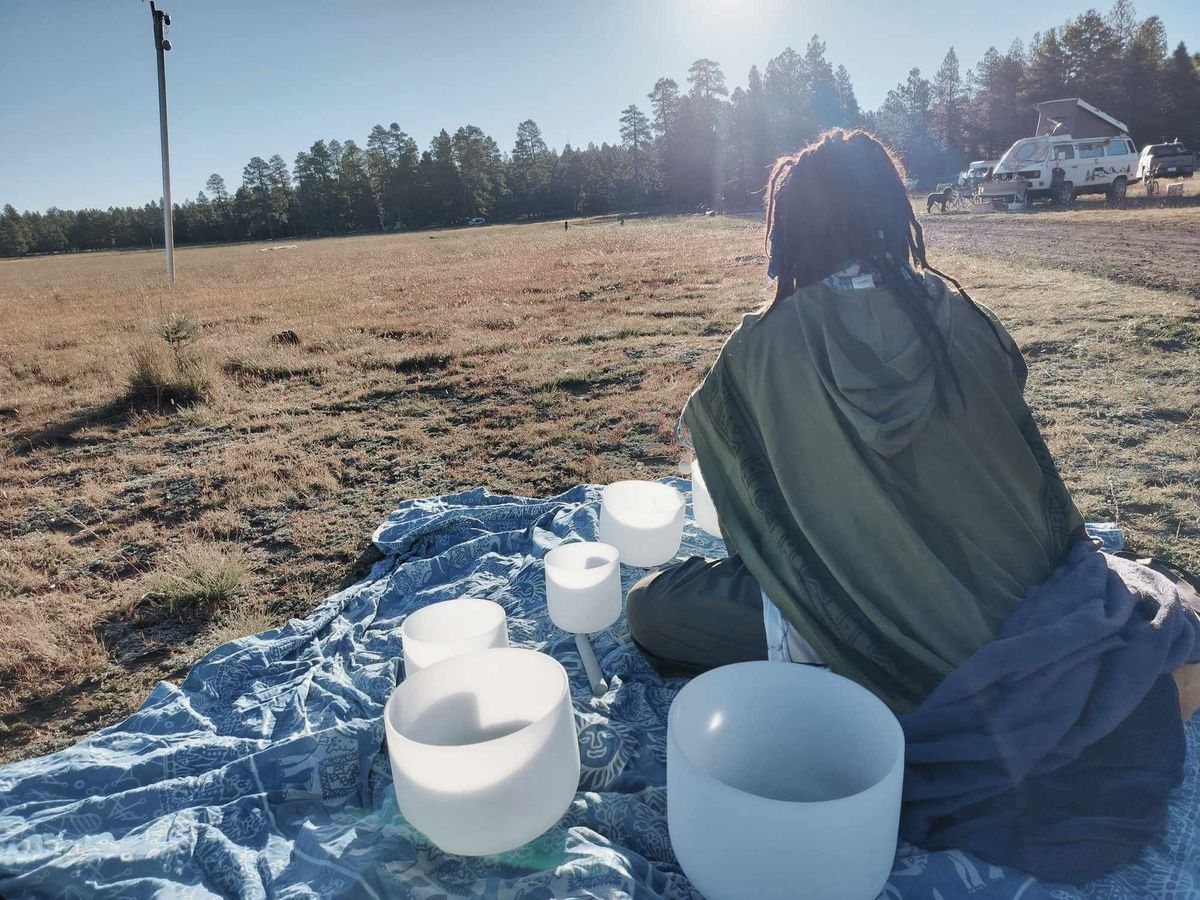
[[783, 781], [703, 510], [450, 627], [483, 749], [583, 586], [643, 520]]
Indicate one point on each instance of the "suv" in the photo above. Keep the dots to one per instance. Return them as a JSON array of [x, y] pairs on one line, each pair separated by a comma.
[[1162, 160], [1059, 167]]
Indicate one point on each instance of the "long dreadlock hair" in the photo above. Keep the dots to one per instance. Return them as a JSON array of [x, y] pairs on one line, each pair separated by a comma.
[[842, 200]]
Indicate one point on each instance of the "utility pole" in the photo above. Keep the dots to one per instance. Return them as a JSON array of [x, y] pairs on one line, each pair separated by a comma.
[[161, 46]]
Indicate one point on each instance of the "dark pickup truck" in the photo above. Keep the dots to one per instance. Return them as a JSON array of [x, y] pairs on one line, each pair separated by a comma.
[[1172, 160]]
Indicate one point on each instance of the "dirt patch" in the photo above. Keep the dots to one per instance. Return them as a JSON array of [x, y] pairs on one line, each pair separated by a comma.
[[1156, 248]]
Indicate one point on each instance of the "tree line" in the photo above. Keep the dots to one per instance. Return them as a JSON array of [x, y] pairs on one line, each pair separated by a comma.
[[696, 145]]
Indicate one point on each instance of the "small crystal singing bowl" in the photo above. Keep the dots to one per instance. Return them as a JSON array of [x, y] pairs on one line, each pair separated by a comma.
[[449, 628], [483, 749], [643, 520], [583, 586]]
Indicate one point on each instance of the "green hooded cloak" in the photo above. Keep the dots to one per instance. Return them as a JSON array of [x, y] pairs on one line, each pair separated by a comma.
[[895, 533]]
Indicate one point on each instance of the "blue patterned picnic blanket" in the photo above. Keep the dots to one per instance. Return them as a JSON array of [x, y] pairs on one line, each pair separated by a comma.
[[264, 773]]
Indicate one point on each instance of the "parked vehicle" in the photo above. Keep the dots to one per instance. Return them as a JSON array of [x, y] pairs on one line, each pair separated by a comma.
[[1166, 160], [478, 220], [1077, 150], [977, 173]]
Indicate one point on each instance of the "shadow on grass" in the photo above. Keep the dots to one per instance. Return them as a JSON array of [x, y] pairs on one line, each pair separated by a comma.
[[114, 414], [148, 392]]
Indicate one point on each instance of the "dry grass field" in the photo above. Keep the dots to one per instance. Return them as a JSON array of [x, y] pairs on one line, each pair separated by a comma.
[[173, 473]]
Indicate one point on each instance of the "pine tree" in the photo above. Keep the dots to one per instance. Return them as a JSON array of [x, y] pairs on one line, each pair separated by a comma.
[[1045, 76], [1142, 105], [786, 90], [635, 136], [1092, 52], [316, 187], [222, 208], [216, 187], [530, 166], [998, 116], [480, 170], [14, 232], [354, 185], [1181, 83], [445, 186], [664, 100], [256, 178], [698, 151], [392, 164], [1123, 20], [847, 101], [824, 106], [749, 138], [947, 111], [706, 81], [284, 194], [905, 121]]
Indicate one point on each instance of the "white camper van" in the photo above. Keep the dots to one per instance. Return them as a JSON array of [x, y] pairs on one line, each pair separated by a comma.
[[1077, 150]]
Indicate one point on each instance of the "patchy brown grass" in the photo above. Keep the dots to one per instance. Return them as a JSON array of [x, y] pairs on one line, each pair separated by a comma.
[[160, 377], [198, 580], [525, 358]]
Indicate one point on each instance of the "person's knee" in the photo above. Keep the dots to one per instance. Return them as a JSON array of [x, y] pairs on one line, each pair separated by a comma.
[[640, 604]]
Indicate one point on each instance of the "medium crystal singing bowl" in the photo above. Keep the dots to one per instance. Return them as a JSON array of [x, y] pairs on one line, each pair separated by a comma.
[[643, 520], [583, 586], [783, 781], [450, 627], [483, 749], [703, 510]]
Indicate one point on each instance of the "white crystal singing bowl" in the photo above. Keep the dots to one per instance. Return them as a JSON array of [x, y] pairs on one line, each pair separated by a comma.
[[450, 627], [583, 586], [783, 781], [703, 510], [483, 749], [643, 520]]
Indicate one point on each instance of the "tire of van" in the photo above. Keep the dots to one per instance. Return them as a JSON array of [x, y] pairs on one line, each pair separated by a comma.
[[1116, 190]]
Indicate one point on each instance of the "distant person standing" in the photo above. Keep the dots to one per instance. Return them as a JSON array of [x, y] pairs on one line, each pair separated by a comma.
[[566, 224]]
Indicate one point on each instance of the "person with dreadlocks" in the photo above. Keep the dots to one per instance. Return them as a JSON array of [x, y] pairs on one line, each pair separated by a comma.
[[889, 506], [882, 481]]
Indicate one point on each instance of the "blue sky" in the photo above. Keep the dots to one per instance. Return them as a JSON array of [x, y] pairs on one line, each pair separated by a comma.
[[78, 108]]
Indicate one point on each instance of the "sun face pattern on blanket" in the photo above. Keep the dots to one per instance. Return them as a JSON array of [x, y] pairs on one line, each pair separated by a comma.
[[264, 774]]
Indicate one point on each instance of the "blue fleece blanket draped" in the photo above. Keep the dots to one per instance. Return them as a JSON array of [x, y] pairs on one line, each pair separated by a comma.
[[263, 774], [1054, 747]]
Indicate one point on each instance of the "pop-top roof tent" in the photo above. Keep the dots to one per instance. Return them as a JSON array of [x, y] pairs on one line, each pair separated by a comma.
[[1076, 118]]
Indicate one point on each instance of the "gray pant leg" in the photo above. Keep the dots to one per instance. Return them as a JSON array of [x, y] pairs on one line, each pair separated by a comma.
[[698, 615]]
